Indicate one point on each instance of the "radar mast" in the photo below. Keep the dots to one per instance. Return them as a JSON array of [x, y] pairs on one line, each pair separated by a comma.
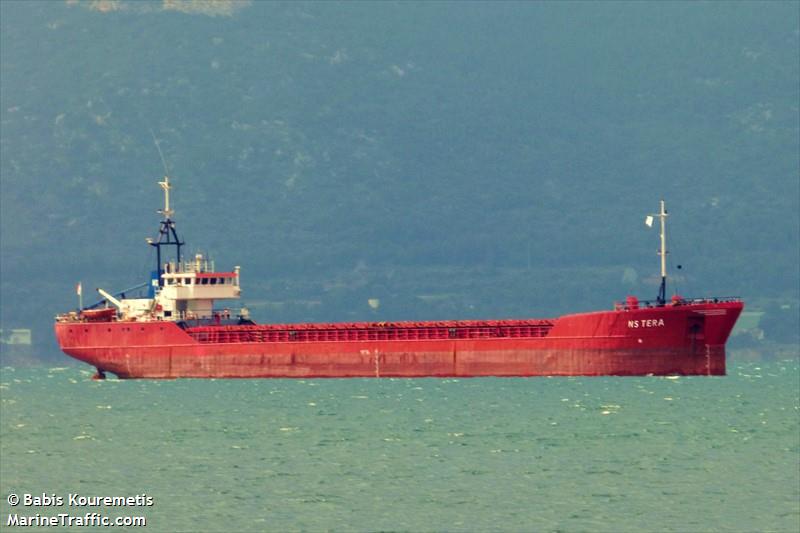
[[167, 236]]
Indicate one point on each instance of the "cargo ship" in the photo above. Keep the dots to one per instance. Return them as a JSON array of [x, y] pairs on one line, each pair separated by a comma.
[[176, 330]]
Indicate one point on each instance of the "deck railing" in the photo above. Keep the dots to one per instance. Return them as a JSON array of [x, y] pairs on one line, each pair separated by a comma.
[[645, 304], [368, 332]]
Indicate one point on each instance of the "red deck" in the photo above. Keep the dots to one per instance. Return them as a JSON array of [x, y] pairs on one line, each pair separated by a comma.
[[674, 339]]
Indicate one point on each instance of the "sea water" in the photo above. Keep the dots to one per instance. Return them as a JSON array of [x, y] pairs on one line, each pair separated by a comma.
[[537, 454]]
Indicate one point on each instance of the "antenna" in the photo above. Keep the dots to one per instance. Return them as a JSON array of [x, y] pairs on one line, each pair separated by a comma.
[[158, 147]]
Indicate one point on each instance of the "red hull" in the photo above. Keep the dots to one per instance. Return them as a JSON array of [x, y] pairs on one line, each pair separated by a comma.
[[684, 339]]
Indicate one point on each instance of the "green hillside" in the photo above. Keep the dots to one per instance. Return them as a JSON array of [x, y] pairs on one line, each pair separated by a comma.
[[452, 160]]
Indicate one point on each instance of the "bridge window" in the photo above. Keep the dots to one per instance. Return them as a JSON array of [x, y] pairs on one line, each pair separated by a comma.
[[204, 281]]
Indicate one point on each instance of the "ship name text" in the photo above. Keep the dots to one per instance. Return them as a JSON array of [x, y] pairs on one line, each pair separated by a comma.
[[646, 323]]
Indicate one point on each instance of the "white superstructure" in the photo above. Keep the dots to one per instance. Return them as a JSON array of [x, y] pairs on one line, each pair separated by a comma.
[[188, 290], [179, 291]]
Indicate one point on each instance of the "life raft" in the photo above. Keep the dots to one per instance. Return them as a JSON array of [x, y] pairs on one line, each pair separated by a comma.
[[106, 314]]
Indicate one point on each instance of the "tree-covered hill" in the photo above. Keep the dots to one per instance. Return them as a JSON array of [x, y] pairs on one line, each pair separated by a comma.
[[451, 159]]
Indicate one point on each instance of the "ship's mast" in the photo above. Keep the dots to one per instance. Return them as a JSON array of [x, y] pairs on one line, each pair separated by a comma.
[[662, 291], [167, 236], [167, 212]]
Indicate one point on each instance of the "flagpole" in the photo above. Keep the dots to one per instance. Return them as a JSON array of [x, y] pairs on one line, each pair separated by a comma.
[[80, 296]]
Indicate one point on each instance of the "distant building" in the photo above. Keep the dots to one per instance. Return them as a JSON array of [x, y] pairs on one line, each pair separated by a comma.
[[16, 336]]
